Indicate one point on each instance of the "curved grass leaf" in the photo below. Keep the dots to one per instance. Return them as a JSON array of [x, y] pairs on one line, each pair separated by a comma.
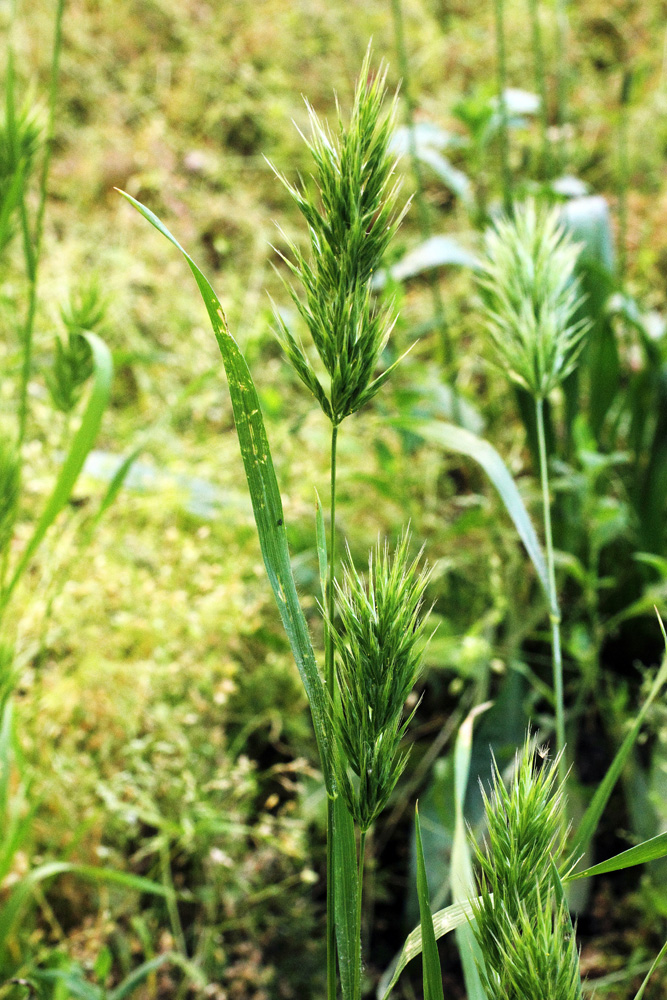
[[457, 439], [81, 445], [648, 850], [444, 921], [430, 958], [591, 817], [462, 876], [265, 497]]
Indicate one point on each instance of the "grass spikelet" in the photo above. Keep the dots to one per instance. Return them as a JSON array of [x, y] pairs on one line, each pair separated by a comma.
[[379, 643], [531, 295]]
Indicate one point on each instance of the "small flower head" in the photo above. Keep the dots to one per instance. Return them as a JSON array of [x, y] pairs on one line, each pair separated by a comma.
[[351, 218], [379, 643], [531, 295]]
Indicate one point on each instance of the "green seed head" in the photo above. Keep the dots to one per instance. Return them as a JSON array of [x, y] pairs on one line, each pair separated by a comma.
[[531, 295], [523, 935], [351, 214], [379, 643]]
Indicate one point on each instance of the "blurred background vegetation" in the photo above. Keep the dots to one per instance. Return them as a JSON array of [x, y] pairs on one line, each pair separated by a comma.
[[160, 728]]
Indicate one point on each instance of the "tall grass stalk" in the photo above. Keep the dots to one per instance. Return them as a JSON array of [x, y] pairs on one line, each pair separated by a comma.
[[32, 239], [540, 84], [501, 77], [531, 294], [423, 214], [562, 77], [554, 608], [623, 173]]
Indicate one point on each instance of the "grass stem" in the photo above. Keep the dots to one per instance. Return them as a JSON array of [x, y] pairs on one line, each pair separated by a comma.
[[541, 86], [554, 610], [331, 688], [33, 244], [563, 77], [360, 887]]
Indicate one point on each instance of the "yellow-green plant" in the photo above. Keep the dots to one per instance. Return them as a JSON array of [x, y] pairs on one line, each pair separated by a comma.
[[531, 295]]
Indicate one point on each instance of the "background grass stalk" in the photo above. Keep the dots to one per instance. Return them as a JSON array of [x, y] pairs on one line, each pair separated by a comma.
[[33, 246], [330, 679], [423, 214], [554, 610], [563, 74], [501, 76], [540, 85]]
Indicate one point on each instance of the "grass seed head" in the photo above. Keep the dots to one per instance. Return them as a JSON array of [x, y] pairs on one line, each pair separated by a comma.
[[531, 296], [525, 835], [379, 644], [351, 215]]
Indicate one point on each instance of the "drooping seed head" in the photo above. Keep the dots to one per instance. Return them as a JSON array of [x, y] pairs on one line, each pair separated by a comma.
[[531, 296], [379, 643], [351, 214]]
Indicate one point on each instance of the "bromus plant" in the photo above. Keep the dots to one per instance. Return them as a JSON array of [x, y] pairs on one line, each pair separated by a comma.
[[352, 213]]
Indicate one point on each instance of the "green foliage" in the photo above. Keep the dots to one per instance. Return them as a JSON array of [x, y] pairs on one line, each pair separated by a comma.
[[531, 297], [350, 223], [379, 645]]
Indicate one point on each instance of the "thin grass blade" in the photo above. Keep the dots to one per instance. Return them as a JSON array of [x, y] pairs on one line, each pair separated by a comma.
[[464, 442], [658, 959], [430, 958], [81, 445], [265, 498], [591, 817]]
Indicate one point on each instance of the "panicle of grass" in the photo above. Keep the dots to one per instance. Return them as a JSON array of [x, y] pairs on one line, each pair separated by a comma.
[[531, 295], [526, 835], [379, 644], [351, 216]]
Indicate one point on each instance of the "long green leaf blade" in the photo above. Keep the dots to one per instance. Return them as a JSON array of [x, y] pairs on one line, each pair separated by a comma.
[[430, 958], [81, 445], [265, 498], [591, 817], [648, 850], [464, 442], [345, 888]]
